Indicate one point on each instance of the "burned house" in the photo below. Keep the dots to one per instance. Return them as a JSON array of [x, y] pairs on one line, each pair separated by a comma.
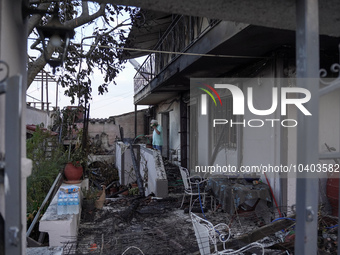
[[187, 53]]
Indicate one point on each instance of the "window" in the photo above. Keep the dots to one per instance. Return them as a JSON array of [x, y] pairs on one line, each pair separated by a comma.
[[224, 136]]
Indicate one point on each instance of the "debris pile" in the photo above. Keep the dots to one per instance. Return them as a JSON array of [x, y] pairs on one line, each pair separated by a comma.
[[149, 225]]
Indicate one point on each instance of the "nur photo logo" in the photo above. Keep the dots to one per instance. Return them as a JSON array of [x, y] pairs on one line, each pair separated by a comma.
[[204, 98], [280, 97]]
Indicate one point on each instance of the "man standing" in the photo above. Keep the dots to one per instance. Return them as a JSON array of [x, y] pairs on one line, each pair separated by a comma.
[[157, 137]]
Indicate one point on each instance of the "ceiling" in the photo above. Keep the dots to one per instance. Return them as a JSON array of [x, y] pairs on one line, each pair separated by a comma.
[[268, 13]]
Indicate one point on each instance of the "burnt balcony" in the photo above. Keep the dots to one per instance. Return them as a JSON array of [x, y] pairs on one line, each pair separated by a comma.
[[179, 36]]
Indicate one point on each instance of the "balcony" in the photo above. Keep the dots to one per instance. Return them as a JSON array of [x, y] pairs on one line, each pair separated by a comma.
[[180, 35]]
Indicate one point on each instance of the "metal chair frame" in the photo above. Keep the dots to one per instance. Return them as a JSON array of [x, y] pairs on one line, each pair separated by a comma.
[[191, 186], [208, 235]]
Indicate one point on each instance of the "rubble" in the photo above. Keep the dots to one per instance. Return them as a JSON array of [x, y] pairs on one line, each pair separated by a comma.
[[150, 225]]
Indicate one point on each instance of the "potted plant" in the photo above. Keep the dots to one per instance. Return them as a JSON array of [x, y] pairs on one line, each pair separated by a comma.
[[76, 157], [89, 197], [68, 123]]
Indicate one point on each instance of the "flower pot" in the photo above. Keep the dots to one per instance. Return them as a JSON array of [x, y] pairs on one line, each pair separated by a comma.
[[99, 203], [73, 173]]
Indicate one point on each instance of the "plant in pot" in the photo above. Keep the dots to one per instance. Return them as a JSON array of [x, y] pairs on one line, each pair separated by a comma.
[[76, 158], [89, 198], [68, 123]]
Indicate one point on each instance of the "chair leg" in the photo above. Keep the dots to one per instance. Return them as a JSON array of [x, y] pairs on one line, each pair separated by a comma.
[[182, 200], [212, 202], [190, 206]]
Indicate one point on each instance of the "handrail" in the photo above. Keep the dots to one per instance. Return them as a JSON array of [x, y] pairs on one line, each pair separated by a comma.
[[42, 205]]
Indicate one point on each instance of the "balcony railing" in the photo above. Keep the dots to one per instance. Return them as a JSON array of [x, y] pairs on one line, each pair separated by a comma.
[[182, 33]]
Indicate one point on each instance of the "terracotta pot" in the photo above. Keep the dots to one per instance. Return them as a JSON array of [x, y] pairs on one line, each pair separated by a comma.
[[73, 173], [332, 192], [125, 193]]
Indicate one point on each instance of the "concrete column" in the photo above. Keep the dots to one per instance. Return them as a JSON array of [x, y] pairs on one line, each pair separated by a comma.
[[13, 50]]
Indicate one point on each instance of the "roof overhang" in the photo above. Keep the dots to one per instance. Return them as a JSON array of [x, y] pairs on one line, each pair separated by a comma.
[[146, 32]]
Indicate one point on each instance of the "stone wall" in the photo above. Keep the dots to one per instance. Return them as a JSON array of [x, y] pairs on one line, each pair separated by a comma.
[[127, 122], [103, 133]]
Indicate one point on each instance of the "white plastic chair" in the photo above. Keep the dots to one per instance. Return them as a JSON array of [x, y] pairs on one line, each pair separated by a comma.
[[208, 235], [191, 185]]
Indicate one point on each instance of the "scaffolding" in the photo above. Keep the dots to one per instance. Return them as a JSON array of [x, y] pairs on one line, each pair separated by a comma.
[[45, 78]]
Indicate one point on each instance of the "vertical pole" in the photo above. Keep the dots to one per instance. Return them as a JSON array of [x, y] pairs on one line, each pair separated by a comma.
[[42, 90], [56, 96], [135, 120], [184, 133], [13, 224], [47, 104], [307, 63]]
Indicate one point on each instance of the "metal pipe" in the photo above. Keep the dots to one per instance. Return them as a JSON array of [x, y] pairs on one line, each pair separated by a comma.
[[42, 205], [307, 66], [13, 166]]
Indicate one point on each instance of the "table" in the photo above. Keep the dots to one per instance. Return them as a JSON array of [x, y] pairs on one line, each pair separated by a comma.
[[233, 192]]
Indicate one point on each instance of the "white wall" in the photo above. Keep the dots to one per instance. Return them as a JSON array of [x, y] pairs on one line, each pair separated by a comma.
[[329, 126], [36, 117], [153, 172], [150, 165], [257, 145], [124, 163], [172, 107], [262, 145]]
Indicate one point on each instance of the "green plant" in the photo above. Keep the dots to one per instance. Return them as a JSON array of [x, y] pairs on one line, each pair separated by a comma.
[[90, 194], [65, 121], [76, 153], [47, 161], [68, 122], [133, 191]]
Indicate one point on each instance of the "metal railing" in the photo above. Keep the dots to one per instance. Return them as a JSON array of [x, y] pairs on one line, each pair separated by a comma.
[[180, 35]]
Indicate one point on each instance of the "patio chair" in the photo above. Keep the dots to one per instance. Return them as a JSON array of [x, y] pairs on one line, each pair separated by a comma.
[[191, 185], [209, 236]]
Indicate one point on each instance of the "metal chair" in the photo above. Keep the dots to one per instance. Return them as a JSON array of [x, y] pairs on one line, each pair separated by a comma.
[[191, 186], [208, 235]]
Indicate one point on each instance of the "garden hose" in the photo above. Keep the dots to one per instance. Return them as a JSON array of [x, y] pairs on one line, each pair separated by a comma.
[[137, 137]]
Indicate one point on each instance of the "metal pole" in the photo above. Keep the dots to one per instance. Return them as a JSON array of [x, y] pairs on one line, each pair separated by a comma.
[[13, 224], [135, 120], [56, 97], [42, 90], [47, 104], [307, 63]]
